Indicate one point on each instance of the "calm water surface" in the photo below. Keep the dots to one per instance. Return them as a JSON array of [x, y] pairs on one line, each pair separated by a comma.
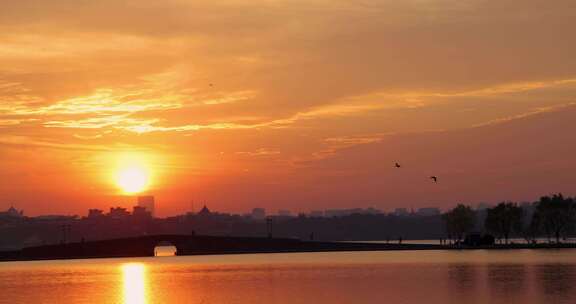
[[515, 276]]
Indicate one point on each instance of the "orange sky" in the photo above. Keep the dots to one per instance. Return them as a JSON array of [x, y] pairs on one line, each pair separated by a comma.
[[286, 104]]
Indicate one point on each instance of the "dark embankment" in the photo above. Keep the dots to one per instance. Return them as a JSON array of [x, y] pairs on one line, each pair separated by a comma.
[[190, 245]]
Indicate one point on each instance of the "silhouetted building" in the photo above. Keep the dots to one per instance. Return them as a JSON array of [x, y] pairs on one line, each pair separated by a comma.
[[258, 213], [140, 213], [428, 211], [204, 211], [372, 211], [55, 218], [346, 212], [316, 213], [12, 213], [335, 212], [148, 203], [401, 212], [95, 213], [118, 213], [284, 213]]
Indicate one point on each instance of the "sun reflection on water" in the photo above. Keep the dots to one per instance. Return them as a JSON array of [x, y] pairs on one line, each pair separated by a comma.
[[134, 281]]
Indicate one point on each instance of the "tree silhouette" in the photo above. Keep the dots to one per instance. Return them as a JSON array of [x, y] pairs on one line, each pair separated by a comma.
[[459, 221], [504, 219], [531, 230], [555, 215]]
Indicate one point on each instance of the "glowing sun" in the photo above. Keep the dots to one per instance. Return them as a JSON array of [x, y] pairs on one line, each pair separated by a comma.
[[132, 180], [132, 174]]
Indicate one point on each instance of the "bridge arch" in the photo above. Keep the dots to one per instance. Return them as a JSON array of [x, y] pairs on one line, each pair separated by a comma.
[[165, 248]]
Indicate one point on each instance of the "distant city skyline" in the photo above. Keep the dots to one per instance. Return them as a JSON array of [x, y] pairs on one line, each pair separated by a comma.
[[159, 207], [148, 203]]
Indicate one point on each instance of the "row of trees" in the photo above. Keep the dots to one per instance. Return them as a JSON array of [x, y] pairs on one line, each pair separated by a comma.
[[552, 216]]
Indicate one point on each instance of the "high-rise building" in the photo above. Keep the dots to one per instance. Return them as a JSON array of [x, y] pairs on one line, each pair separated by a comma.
[[148, 203]]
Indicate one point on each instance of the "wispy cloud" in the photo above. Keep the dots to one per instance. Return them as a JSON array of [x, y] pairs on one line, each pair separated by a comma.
[[419, 98], [27, 141], [88, 137], [97, 122], [118, 107], [335, 144], [261, 152], [10, 122], [148, 127], [533, 112], [104, 101], [354, 106]]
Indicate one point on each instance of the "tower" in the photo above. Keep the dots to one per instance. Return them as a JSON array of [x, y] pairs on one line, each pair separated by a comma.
[[148, 203]]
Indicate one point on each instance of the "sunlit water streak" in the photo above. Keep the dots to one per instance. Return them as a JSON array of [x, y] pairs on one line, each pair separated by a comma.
[[134, 282]]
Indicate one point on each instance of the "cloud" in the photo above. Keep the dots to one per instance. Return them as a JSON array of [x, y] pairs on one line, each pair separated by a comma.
[[534, 112], [115, 107], [9, 122], [421, 98], [148, 127], [88, 137], [261, 152], [131, 99], [342, 142], [226, 97], [94, 122], [347, 141], [354, 106], [27, 141]]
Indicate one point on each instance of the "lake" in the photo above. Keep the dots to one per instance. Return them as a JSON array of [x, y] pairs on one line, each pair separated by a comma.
[[474, 276]]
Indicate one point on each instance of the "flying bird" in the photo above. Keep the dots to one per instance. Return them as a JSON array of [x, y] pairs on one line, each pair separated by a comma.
[[434, 178], [397, 165]]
